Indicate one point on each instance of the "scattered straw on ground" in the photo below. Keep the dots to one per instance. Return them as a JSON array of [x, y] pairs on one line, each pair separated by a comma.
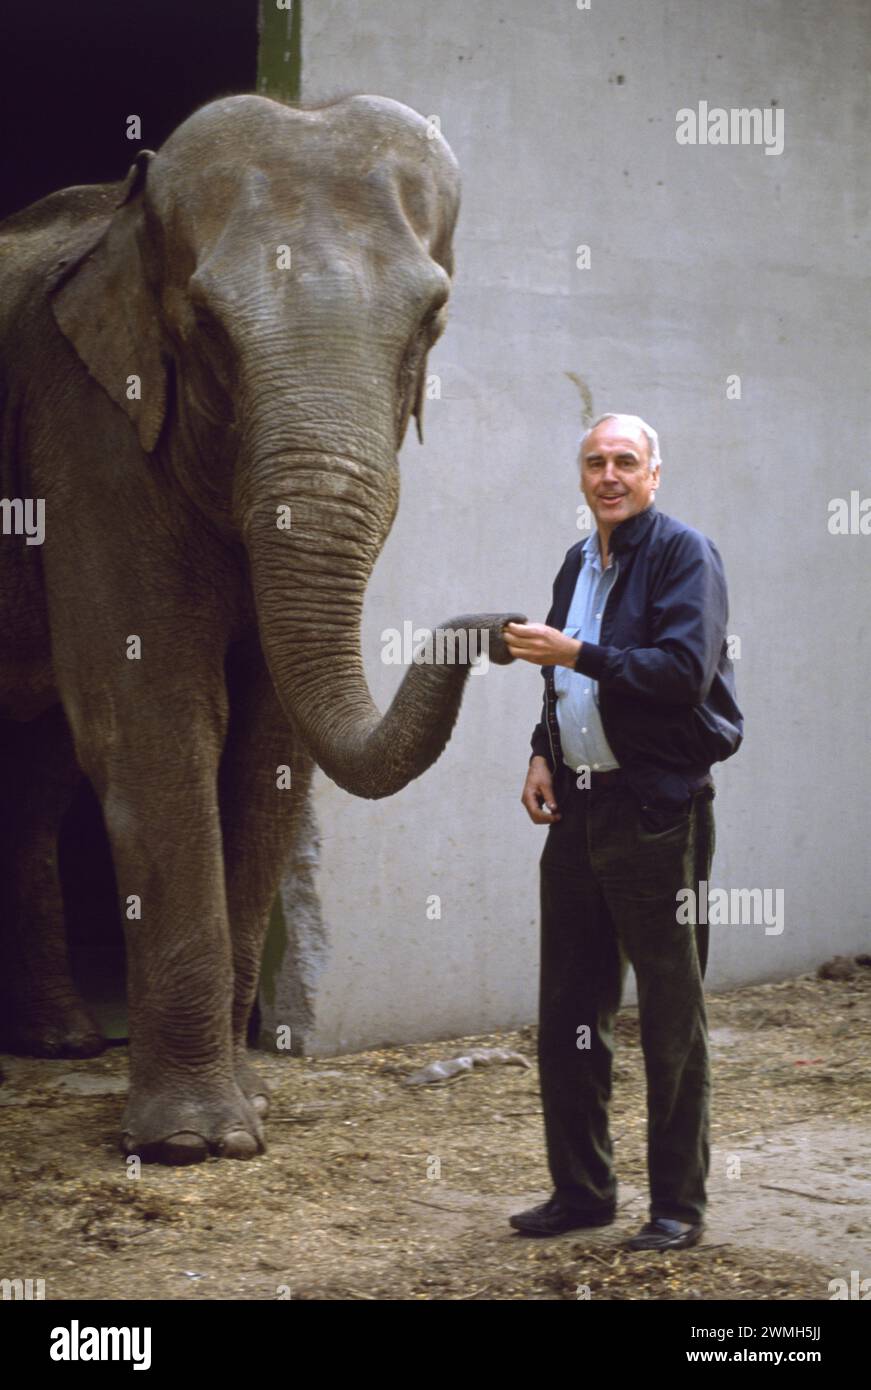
[[371, 1189]]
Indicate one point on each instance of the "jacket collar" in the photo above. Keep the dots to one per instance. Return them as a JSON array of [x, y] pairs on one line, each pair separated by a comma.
[[623, 538], [627, 535]]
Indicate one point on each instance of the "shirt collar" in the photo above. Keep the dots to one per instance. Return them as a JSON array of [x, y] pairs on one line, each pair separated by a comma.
[[592, 554]]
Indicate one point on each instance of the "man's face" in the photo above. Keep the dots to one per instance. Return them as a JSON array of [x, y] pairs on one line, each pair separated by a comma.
[[614, 476]]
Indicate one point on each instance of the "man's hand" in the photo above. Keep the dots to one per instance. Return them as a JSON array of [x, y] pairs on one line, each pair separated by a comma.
[[543, 646], [538, 792]]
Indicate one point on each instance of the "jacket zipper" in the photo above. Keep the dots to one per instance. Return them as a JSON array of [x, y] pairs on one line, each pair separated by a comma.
[[547, 721], [550, 699]]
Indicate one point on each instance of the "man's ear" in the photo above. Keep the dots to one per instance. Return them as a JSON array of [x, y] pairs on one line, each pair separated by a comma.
[[105, 309]]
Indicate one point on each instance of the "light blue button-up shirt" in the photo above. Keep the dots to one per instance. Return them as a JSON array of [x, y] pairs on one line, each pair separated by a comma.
[[577, 706]]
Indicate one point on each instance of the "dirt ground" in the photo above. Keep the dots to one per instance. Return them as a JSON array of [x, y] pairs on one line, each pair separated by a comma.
[[372, 1189]]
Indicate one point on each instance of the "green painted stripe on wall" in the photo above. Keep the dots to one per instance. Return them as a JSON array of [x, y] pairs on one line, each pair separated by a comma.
[[279, 49]]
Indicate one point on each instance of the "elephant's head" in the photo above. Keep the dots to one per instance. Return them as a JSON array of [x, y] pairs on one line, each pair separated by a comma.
[[274, 277]]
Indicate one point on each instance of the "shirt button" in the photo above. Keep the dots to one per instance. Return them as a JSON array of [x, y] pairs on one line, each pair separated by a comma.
[[598, 615], [587, 691], [583, 731]]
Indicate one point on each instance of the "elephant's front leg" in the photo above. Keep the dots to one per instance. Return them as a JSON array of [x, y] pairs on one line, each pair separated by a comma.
[[261, 808], [156, 773]]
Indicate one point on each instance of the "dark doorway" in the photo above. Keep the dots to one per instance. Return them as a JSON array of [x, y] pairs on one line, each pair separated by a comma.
[[71, 75]]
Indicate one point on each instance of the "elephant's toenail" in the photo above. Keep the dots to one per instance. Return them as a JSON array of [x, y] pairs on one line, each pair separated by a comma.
[[183, 1148], [177, 1149], [238, 1143]]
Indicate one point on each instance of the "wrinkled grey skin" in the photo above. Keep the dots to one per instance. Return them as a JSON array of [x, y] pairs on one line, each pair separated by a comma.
[[260, 387]]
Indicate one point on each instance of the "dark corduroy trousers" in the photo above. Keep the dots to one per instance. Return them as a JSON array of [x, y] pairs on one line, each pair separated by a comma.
[[610, 874]]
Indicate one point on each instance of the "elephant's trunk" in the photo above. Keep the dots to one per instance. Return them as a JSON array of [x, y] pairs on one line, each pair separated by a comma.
[[309, 570]]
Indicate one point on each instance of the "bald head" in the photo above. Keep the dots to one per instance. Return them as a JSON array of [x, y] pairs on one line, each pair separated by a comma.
[[632, 424]]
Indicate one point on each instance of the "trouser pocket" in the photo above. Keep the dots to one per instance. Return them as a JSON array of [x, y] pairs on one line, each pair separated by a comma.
[[656, 820]]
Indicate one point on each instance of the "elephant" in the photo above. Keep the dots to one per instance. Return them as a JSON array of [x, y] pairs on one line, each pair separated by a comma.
[[208, 369]]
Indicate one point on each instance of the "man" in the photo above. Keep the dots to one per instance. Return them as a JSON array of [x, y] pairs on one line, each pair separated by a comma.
[[639, 702]]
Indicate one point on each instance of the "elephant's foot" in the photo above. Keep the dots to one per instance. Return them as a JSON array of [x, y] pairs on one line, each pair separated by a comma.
[[252, 1085], [58, 1029], [175, 1129]]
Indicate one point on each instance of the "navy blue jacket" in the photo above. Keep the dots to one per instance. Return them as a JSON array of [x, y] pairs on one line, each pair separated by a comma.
[[666, 684]]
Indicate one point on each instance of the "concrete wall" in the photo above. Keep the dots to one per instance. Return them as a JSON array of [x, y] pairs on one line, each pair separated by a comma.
[[706, 262]]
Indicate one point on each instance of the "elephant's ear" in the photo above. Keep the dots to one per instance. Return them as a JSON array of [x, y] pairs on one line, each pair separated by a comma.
[[431, 333], [420, 393], [105, 309]]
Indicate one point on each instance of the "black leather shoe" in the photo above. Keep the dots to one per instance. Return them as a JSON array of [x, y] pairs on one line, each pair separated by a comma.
[[553, 1217], [665, 1234]]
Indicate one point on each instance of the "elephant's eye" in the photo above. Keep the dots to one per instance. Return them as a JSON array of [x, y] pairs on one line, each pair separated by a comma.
[[433, 323], [208, 368], [205, 324], [211, 338]]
